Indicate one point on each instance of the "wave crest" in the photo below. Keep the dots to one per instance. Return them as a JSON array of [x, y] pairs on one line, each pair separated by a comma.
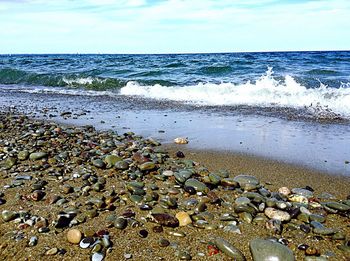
[[264, 92]]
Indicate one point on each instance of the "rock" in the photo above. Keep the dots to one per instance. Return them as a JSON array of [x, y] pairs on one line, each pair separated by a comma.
[[23, 155], [98, 163], [111, 160], [163, 242], [284, 191], [302, 192], [229, 182], [277, 214], [180, 154], [121, 165], [168, 173], [33, 241], [338, 206], [181, 140], [247, 182], [97, 256], [298, 198], [37, 155], [52, 251], [120, 223], [8, 215], [165, 219], [197, 185], [9, 163], [321, 229], [74, 236], [229, 249], [37, 195], [184, 218], [263, 250], [147, 166]]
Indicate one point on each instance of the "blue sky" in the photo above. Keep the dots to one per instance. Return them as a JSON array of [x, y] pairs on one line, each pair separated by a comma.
[[172, 26]]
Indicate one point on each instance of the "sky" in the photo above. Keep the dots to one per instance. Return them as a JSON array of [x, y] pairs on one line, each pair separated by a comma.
[[172, 26]]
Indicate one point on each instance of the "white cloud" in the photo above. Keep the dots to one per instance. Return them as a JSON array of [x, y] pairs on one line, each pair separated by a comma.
[[174, 25]]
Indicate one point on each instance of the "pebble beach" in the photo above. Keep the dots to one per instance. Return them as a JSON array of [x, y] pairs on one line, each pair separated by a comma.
[[71, 192]]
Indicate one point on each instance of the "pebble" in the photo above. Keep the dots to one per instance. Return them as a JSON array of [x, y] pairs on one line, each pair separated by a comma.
[[229, 249], [37, 155], [165, 219], [284, 191], [263, 250], [184, 218], [127, 256], [74, 236], [52, 251], [277, 214], [8, 215], [181, 140], [97, 256], [247, 182], [163, 242]]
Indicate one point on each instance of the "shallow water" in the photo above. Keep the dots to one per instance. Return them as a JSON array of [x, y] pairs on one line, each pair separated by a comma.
[[321, 146]]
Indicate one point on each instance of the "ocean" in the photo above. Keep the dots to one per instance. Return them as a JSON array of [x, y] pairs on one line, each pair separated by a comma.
[[290, 106]]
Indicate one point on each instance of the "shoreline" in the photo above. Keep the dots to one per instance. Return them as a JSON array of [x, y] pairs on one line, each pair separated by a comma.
[[320, 146]]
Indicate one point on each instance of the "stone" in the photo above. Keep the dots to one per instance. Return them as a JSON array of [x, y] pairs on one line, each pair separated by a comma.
[[181, 140], [147, 166], [284, 191], [121, 165], [263, 250], [165, 219], [111, 160], [302, 192], [277, 214], [74, 236], [23, 155], [184, 218], [229, 249], [37, 155], [247, 182], [197, 185], [338, 206], [8, 215], [9, 163], [52, 251], [98, 163]]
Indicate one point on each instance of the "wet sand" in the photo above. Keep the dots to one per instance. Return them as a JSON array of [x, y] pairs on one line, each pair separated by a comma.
[[274, 174]]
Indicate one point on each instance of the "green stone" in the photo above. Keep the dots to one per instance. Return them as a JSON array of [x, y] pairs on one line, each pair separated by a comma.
[[147, 166], [111, 160], [37, 155]]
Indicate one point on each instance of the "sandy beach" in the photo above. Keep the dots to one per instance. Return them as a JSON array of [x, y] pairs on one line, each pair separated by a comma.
[[57, 179]]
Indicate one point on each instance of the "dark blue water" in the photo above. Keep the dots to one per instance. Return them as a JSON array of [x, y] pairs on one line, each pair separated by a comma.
[[308, 68]]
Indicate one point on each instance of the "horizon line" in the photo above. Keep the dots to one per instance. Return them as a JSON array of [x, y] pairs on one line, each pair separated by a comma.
[[176, 53]]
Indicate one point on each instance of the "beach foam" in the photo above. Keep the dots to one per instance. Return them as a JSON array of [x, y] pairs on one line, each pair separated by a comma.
[[264, 92]]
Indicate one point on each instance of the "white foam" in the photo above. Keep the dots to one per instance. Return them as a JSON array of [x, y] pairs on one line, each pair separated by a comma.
[[264, 92], [82, 81]]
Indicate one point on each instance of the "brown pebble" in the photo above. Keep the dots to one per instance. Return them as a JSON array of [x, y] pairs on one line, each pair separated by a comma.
[[157, 229], [74, 236], [52, 251], [312, 251]]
